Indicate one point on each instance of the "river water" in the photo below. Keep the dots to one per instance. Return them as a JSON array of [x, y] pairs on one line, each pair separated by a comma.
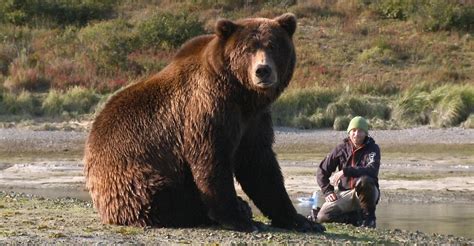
[[447, 219]]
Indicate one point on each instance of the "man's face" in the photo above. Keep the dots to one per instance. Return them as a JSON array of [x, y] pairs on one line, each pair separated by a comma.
[[357, 136]]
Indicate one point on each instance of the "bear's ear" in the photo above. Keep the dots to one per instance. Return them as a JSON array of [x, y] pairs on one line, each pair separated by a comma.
[[225, 28], [288, 22]]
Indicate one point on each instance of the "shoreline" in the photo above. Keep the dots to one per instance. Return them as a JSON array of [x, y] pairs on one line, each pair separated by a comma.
[[37, 160]]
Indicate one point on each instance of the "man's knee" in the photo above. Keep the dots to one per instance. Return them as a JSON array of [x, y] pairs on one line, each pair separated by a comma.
[[327, 212], [365, 185], [367, 191], [322, 218]]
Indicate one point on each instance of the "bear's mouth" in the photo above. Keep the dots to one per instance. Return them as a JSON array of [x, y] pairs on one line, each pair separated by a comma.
[[264, 84]]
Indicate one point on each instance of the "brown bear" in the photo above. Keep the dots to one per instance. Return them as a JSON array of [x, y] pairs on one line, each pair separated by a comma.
[[164, 152]]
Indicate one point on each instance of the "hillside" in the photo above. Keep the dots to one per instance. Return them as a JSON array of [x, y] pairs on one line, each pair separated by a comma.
[[400, 63]]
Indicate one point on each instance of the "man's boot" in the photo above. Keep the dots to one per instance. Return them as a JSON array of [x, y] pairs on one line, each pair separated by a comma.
[[369, 219]]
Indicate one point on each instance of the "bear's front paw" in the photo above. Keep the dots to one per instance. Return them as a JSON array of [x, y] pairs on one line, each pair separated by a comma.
[[238, 219], [299, 223], [302, 224]]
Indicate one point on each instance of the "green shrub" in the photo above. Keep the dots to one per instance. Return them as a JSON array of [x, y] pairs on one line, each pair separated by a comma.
[[108, 44], [80, 100], [56, 12], [444, 15], [75, 101], [396, 9], [53, 103], [167, 30], [21, 104], [433, 15]]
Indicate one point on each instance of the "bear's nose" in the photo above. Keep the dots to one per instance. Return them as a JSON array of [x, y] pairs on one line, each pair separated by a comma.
[[263, 71]]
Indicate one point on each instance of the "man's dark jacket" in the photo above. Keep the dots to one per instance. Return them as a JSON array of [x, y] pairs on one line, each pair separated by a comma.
[[354, 163]]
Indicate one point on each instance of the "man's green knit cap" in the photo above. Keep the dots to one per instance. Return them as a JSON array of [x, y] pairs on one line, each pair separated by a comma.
[[358, 122]]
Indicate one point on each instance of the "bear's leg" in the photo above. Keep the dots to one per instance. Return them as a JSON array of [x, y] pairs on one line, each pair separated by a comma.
[[209, 150], [217, 190], [259, 174]]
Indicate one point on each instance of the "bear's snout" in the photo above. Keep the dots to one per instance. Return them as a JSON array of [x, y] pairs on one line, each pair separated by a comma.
[[263, 70]]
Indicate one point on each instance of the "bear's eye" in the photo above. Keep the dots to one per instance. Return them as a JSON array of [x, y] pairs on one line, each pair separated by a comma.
[[272, 47]]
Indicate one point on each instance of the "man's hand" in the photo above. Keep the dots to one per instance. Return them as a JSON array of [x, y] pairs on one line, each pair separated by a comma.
[[331, 197]]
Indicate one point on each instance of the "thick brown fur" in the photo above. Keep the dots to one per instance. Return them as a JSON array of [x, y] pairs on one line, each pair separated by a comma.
[[164, 152]]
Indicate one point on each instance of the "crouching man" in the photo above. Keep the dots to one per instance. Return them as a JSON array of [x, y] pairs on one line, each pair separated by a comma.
[[357, 160]]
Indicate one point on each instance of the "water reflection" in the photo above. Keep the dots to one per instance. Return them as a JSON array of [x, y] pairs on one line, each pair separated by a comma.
[[448, 219]]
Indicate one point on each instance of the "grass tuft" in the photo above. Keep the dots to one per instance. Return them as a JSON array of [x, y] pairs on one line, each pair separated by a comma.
[[469, 123], [295, 107]]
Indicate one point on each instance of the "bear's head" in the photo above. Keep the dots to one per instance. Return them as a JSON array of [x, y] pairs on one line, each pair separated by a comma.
[[259, 52]]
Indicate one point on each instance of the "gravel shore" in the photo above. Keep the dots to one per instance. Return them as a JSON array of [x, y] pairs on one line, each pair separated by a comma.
[[11, 138]]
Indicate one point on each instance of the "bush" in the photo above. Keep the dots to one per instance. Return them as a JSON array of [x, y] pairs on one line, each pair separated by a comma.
[[433, 15], [56, 12], [21, 104], [396, 9], [168, 31], [53, 103], [108, 44], [75, 101], [80, 100], [25, 76], [445, 15], [64, 73]]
